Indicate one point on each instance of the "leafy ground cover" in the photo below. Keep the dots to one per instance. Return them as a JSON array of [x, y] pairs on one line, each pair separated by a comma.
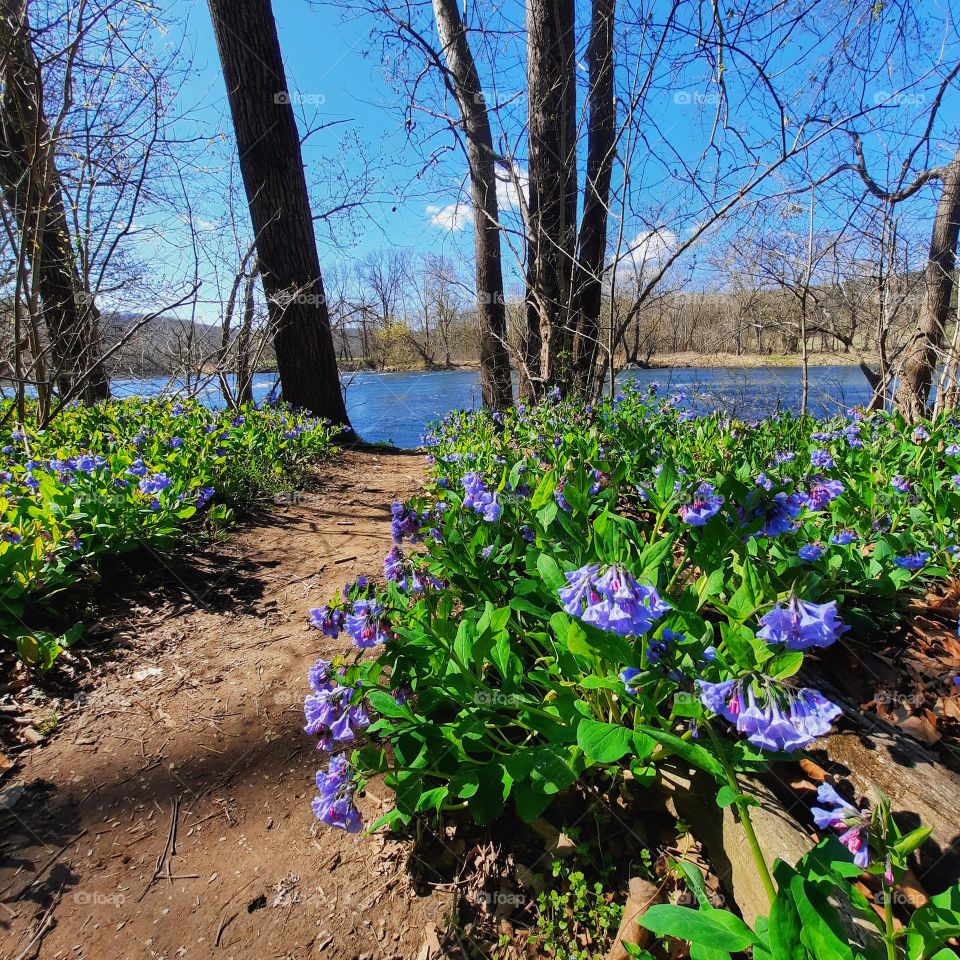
[[590, 593], [113, 478]]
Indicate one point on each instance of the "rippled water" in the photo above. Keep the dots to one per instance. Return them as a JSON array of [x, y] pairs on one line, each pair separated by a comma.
[[395, 407]]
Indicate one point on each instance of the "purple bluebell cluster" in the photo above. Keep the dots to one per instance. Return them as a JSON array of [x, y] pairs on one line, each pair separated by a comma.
[[328, 710], [393, 564], [328, 620], [822, 492], [852, 824], [844, 538], [479, 498], [706, 503], [771, 716], [405, 523], [366, 624], [335, 805], [800, 624], [901, 484], [811, 552], [912, 561], [779, 513], [822, 459], [154, 483], [612, 600]]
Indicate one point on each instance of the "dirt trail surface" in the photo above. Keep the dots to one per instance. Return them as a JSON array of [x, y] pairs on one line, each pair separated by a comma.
[[168, 815]]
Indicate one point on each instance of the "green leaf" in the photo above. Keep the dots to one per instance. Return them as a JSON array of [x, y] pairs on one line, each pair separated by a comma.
[[711, 928], [693, 753], [550, 572], [785, 665], [785, 929], [603, 742], [934, 923], [822, 932]]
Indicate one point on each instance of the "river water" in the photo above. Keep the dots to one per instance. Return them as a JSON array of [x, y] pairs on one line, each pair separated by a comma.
[[395, 407]]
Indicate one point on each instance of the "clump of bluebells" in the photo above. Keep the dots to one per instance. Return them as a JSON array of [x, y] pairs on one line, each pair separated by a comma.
[[110, 478], [626, 586]]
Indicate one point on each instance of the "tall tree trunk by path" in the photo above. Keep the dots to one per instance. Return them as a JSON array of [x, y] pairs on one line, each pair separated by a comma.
[[32, 189], [491, 307], [272, 168], [601, 144], [552, 207], [920, 356]]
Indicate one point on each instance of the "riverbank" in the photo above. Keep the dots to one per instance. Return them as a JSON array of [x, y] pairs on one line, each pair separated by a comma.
[[751, 361]]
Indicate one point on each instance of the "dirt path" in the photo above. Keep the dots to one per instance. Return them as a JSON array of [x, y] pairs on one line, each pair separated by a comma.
[[169, 814]]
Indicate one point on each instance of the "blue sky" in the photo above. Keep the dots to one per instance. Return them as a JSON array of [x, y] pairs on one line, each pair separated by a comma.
[[335, 74]]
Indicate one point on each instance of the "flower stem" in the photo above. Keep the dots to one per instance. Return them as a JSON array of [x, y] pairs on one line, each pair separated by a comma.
[[889, 937], [743, 808]]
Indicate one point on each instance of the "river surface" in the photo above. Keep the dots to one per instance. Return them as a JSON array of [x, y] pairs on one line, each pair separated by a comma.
[[395, 407]]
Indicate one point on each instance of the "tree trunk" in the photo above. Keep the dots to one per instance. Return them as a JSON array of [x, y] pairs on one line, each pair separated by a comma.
[[272, 168], [495, 379], [552, 207], [244, 384], [601, 144], [33, 191], [920, 356]]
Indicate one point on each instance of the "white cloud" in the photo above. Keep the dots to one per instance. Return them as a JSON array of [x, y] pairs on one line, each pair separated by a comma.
[[648, 248], [509, 185], [454, 216]]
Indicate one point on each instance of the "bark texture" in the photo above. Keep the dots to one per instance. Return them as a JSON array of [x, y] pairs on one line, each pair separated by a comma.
[[34, 193], [272, 166], [601, 146], [920, 356], [481, 160], [552, 205]]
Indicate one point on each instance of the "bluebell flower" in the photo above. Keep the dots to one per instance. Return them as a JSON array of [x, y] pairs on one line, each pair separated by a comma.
[[901, 484], [852, 824], [811, 552], [821, 493], [479, 498], [155, 483], [335, 805], [822, 459], [612, 600], [404, 523], [953, 450], [204, 496], [366, 625], [393, 564], [772, 717], [912, 561], [844, 537], [779, 513], [801, 624], [706, 503], [327, 620], [628, 676]]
